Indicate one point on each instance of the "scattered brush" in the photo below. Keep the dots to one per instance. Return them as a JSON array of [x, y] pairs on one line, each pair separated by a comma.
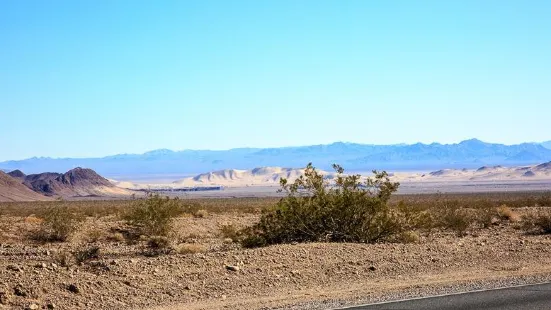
[[538, 223], [59, 223]]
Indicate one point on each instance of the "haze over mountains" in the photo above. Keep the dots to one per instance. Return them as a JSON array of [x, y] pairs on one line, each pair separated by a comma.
[[270, 176], [354, 157]]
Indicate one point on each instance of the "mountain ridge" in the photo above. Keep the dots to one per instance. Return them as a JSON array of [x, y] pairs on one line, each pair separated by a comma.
[[470, 153], [12, 189]]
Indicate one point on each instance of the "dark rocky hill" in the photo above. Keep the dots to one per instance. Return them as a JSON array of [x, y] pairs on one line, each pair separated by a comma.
[[11, 189], [77, 182]]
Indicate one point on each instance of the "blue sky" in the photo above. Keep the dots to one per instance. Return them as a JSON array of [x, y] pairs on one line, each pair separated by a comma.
[[92, 78]]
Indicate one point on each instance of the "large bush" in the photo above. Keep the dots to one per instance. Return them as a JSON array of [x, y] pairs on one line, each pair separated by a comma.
[[339, 209]]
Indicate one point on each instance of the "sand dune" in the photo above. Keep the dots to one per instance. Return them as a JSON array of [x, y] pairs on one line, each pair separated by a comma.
[[270, 176], [495, 173], [263, 176]]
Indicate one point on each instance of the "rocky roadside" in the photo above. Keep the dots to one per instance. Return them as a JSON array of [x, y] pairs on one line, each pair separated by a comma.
[[313, 276]]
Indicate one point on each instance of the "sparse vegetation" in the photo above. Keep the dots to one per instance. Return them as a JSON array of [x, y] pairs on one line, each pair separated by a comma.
[[58, 224], [86, 254], [157, 245], [453, 218], [64, 259], [505, 213], [215, 240], [201, 213], [116, 237], [230, 231], [153, 216], [538, 222], [191, 248]]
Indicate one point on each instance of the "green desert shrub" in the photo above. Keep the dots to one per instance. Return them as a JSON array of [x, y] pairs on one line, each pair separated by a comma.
[[315, 209], [538, 223], [58, 224], [153, 216], [453, 218]]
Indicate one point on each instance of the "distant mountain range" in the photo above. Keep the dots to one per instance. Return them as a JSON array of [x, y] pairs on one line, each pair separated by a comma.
[[352, 156]]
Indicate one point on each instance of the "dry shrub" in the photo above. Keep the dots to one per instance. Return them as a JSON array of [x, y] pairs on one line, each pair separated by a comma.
[[34, 220], [158, 242], [314, 210], [230, 231], [58, 225], [158, 245], [201, 213], [191, 248], [87, 254], [538, 223], [453, 218], [64, 259], [94, 235], [153, 216], [116, 237], [409, 237], [485, 216], [505, 213]]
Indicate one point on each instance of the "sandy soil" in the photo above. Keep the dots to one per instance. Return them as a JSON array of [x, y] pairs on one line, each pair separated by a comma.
[[317, 276]]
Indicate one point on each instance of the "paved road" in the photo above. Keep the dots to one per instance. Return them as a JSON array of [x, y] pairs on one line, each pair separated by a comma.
[[534, 297]]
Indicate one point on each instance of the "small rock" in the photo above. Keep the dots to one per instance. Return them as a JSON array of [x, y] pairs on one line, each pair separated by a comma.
[[73, 289], [14, 268], [19, 291], [50, 306], [224, 297], [41, 265], [33, 307], [187, 288], [54, 265], [4, 298], [232, 268], [372, 268]]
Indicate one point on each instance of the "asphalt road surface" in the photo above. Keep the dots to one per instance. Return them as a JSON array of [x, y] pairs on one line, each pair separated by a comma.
[[531, 297]]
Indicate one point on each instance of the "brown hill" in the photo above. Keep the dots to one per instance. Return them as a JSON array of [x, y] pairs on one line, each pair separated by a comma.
[[78, 182], [17, 174], [11, 189]]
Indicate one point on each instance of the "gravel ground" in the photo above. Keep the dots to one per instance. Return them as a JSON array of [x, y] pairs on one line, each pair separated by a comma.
[[302, 276]]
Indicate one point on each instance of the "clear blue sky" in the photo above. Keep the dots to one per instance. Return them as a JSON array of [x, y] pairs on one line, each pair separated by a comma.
[[92, 78]]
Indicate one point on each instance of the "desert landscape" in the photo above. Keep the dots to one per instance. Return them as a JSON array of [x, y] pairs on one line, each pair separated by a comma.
[[66, 242], [275, 154]]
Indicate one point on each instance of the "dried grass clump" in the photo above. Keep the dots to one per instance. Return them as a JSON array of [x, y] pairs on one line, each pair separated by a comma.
[[506, 213], [191, 248]]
